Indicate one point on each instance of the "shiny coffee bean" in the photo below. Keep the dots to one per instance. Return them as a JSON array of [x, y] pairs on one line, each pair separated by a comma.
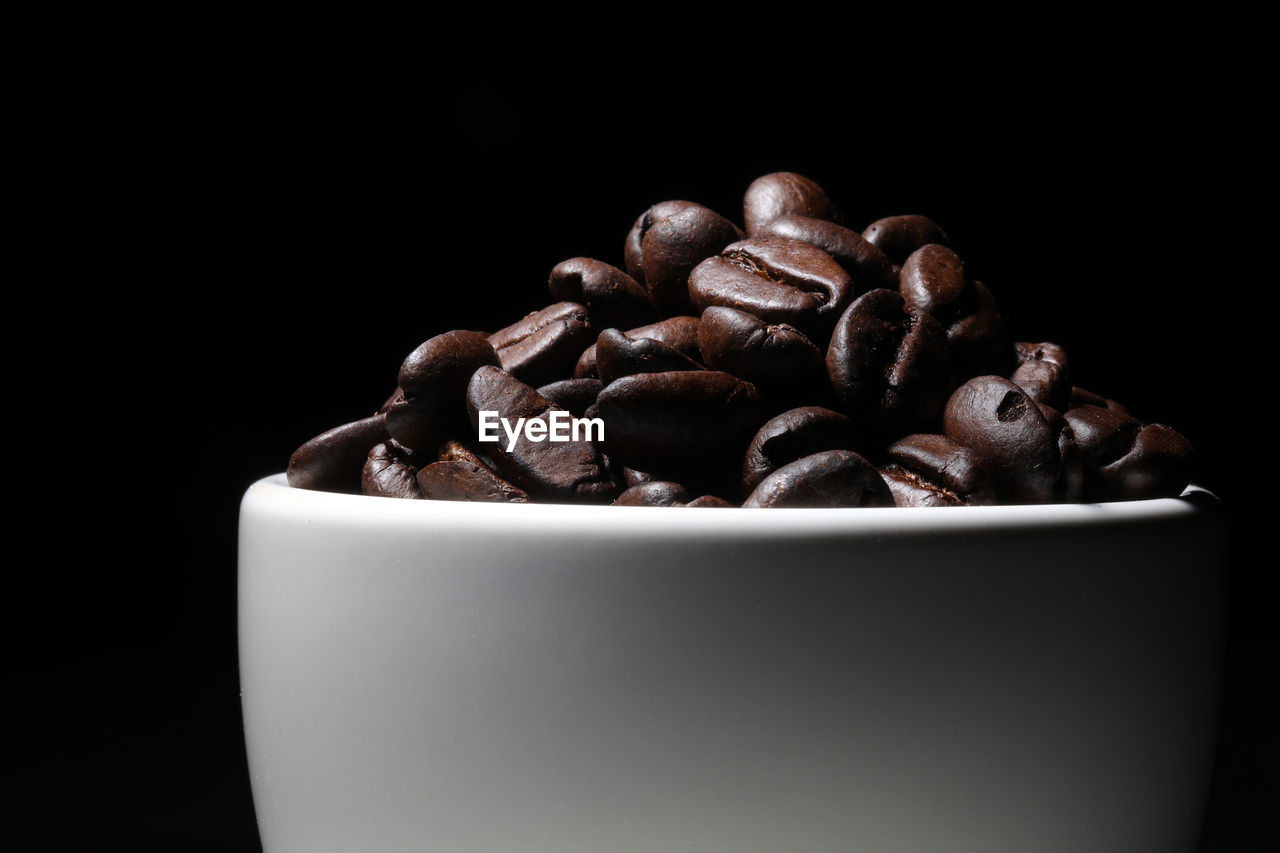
[[542, 346], [653, 493], [685, 420], [910, 489], [389, 472], [461, 480], [614, 299], [899, 236], [334, 460], [943, 465], [792, 435], [832, 478], [933, 280], [777, 358], [1070, 487], [1043, 373], [999, 422], [433, 382], [779, 281], [1126, 460], [557, 470], [888, 365], [619, 355], [783, 193], [1160, 465], [867, 266], [680, 333], [667, 242], [572, 395]]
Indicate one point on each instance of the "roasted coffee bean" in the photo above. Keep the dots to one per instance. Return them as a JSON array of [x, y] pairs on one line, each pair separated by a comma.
[[619, 355], [792, 435], [1126, 460], [461, 480], [654, 493], [828, 479], [999, 422], [680, 333], [572, 395], [778, 280], [1103, 435], [543, 346], [614, 299], [433, 383], [665, 422], [1042, 372], [933, 280], [667, 242], [888, 365], [389, 472], [976, 338], [867, 266], [1160, 465], [1081, 397], [778, 359], [899, 236], [783, 193], [944, 466], [910, 489], [1070, 487], [333, 460], [632, 477], [558, 470]]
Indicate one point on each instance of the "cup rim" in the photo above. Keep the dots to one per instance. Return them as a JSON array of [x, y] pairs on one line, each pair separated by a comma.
[[758, 522]]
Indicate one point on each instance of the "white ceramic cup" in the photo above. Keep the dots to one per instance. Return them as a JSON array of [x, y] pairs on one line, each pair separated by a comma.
[[438, 676]]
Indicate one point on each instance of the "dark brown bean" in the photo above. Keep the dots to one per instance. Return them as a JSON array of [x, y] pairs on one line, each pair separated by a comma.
[[614, 299], [933, 280], [333, 460], [572, 395], [389, 472], [1043, 373], [783, 193], [998, 421], [542, 346], [653, 493], [777, 358], [947, 465], [558, 470], [667, 242], [680, 333], [832, 478], [867, 266], [792, 435], [460, 480], [778, 280], [664, 422], [619, 355], [899, 236], [433, 382], [888, 365]]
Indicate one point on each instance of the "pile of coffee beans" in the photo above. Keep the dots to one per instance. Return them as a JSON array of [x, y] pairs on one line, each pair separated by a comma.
[[800, 363]]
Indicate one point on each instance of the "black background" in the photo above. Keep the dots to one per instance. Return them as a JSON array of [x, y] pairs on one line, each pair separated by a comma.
[[244, 221]]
